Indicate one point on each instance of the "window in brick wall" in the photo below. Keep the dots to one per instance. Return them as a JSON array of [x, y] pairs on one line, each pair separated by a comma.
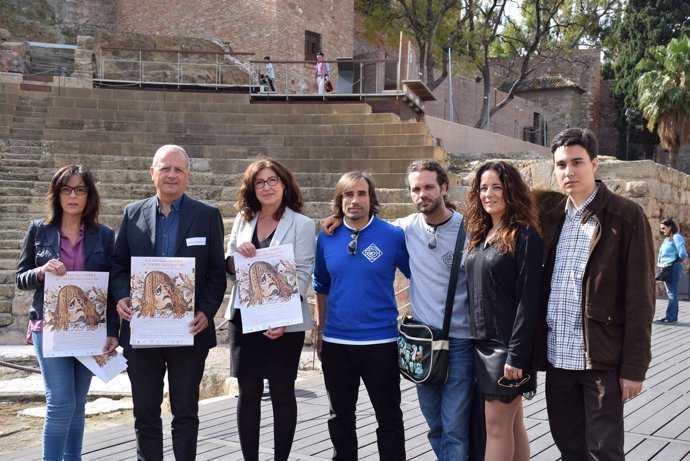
[[312, 45]]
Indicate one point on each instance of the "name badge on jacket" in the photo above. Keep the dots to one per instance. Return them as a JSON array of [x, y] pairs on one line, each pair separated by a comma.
[[196, 241]]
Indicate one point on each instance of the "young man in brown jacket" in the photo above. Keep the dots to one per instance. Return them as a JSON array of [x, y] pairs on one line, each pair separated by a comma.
[[597, 308]]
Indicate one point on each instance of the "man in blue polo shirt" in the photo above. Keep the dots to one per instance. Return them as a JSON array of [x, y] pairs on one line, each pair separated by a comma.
[[357, 317]]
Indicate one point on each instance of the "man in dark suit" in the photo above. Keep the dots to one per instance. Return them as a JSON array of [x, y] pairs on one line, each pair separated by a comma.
[[170, 224]]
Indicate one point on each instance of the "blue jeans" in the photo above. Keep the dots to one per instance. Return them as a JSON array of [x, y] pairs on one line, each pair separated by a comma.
[[672, 290], [447, 407], [66, 381]]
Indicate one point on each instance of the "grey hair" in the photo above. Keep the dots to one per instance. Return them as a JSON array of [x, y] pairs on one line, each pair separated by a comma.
[[161, 150]]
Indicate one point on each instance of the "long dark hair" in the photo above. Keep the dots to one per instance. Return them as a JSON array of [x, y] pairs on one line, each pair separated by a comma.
[[520, 208], [672, 224], [93, 201], [248, 205]]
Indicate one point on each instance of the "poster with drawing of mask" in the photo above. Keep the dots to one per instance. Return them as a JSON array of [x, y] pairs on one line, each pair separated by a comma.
[[74, 308], [162, 297], [267, 289]]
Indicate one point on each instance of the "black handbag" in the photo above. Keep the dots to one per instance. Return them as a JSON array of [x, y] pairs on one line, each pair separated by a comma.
[[664, 274], [490, 358], [423, 350]]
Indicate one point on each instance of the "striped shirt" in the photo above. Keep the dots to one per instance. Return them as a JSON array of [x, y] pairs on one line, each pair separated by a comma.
[[565, 339]]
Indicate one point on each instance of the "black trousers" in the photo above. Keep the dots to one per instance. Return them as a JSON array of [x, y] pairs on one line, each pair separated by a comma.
[[146, 369], [585, 413], [377, 365]]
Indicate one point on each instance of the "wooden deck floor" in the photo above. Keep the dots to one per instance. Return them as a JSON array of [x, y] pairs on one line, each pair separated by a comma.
[[657, 422]]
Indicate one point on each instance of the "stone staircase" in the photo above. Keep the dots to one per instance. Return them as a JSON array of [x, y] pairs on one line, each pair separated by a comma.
[[116, 132]]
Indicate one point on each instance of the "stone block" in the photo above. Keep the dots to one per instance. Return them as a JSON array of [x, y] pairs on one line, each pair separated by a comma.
[[85, 42], [4, 34], [5, 320]]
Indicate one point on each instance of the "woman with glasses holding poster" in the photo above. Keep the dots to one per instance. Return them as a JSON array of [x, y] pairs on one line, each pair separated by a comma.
[[503, 263], [68, 239], [269, 204]]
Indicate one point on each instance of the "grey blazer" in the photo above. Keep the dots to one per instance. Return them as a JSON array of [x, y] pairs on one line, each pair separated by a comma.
[[292, 228], [137, 237]]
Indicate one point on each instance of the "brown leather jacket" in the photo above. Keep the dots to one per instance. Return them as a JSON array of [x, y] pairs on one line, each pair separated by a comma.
[[618, 298]]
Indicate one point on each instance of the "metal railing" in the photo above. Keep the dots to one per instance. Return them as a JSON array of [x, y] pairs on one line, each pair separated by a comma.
[[349, 76], [172, 67]]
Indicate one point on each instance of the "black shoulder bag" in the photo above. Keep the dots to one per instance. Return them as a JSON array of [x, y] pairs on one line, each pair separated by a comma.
[[423, 350]]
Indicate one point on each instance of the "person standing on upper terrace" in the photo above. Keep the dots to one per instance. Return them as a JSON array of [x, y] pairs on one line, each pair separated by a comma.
[[321, 73]]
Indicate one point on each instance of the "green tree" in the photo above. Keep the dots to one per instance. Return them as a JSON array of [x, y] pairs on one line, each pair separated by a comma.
[[545, 27], [645, 23], [664, 94], [478, 30]]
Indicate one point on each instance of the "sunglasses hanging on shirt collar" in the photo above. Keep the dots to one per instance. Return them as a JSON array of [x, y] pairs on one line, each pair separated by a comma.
[[352, 246], [433, 243]]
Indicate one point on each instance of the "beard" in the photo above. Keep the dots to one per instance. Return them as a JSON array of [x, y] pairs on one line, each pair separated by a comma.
[[429, 207]]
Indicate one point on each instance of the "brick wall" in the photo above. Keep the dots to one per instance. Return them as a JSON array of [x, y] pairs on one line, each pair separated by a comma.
[[583, 67], [266, 27], [468, 97]]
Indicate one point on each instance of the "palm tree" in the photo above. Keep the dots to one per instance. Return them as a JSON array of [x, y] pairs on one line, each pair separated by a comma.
[[664, 94]]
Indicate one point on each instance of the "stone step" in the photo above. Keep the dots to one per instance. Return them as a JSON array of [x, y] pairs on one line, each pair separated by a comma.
[[353, 153], [339, 163], [28, 126], [33, 120], [23, 143], [8, 263], [238, 129], [22, 162], [140, 138], [209, 107], [7, 276], [34, 87], [233, 118], [25, 136], [139, 95], [9, 255], [32, 100]]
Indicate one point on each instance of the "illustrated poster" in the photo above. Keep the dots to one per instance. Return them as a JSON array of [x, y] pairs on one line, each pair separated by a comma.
[[162, 291], [105, 367], [267, 289], [74, 307]]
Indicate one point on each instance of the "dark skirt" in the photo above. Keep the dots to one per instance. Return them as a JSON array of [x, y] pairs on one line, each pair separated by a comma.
[[254, 355]]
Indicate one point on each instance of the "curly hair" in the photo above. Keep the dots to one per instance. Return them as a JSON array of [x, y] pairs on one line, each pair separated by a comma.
[[347, 182], [520, 208], [60, 178], [248, 205]]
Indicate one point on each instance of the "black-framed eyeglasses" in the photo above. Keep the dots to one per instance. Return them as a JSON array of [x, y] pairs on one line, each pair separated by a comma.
[[352, 246], [505, 382], [79, 190], [260, 183], [433, 243]]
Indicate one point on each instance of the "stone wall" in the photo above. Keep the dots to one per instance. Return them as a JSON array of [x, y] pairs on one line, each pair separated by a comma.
[[561, 107], [583, 67], [662, 192]]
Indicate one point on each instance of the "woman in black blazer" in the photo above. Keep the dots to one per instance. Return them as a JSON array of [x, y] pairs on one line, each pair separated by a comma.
[[68, 239]]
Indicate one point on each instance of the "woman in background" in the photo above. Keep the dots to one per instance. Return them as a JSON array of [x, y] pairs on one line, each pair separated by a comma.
[[269, 203], [672, 252], [68, 239], [503, 263]]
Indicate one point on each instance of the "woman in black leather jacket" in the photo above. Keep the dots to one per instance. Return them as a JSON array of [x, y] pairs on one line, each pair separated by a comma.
[[503, 263], [68, 239]]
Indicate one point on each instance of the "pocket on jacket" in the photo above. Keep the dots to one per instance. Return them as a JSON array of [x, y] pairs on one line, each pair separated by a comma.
[[605, 331]]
